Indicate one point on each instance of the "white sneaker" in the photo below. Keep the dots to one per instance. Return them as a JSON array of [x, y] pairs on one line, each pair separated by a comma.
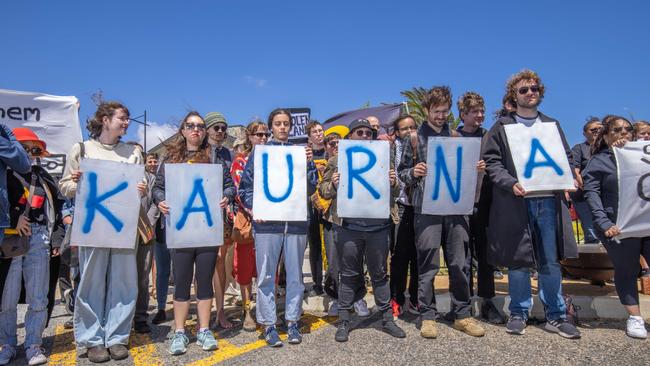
[[361, 308], [7, 353], [35, 355], [333, 308], [636, 327]]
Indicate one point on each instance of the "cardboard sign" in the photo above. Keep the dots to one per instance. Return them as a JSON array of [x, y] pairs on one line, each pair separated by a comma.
[[107, 204], [450, 184], [280, 184], [193, 193], [633, 162], [364, 183], [539, 156]]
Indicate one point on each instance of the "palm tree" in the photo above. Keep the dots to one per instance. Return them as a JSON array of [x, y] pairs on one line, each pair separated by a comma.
[[414, 98]]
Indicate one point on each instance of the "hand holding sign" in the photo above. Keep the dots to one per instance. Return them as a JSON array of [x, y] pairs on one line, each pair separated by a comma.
[[633, 163]]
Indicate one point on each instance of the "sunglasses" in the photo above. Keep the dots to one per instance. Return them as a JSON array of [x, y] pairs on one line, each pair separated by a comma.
[[191, 126], [629, 129], [362, 133], [524, 89], [333, 143], [34, 150], [262, 135], [594, 130], [221, 128]]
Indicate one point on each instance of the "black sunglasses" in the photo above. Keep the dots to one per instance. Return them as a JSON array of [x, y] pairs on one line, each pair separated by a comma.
[[524, 89], [220, 128], [629, 129], [333, 143], [34, 150], [362, 133], [262, 134], [594, 130], [191, 126]]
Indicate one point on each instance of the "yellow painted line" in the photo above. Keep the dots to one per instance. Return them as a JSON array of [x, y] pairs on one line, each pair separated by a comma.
[[143, 351], [64, 350]]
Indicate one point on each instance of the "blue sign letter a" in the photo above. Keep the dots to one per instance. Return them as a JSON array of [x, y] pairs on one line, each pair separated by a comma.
[[265, 178], [94, 203], [442, 171], [356, 173], [197, 190], [531, 164]]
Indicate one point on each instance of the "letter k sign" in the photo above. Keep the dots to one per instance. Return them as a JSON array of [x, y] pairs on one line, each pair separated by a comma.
[[94, 203]]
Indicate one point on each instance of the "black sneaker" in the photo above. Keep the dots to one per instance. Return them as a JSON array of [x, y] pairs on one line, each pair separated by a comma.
[[490, 313], [393, 329], [141, 327], [160, 317], [563, 328], [516, 325], [342, 331]]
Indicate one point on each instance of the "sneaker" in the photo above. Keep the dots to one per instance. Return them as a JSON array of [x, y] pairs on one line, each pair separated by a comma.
[[160, 317], [469, 326], [69, 301], [636, 327], [393, 329], [118, 351], [35, 356], [490, 313], [414, 308], [563, 328], [333, 308], [141, 327], [342, 331], [428, 329], [7, 354], [516, 325], [498, 275], [178, 344], [206, 340], [272, 337], [396, 309], [361, 308], [98, 354], [293, 333]]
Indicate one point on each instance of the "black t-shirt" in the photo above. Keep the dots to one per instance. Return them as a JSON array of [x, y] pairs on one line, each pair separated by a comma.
[[480, 132]]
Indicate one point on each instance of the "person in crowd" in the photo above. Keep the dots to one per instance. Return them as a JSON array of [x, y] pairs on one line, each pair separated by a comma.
[[315, 139], [435, 231], [403, 259], [217, 129], [69, 279], [374, 122], [273, 238], [581, 153], [191, 146], [35, 205], [601, 192], [256, 133], [641, 131], [471, 109], [528, 230], [359, 239], [105, 298]]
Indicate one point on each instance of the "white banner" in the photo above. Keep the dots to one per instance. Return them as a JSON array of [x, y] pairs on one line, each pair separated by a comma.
[[193, 193], [107, 204], [450, 184], [53, 118], [280, 185], [539, 156], [633, 162], [364, 184]]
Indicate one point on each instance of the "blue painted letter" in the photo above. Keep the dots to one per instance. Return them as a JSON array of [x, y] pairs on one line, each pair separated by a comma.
[[94, 202], [356, 173], [265, 177], [189, 208], [536, 146], [441, 170]]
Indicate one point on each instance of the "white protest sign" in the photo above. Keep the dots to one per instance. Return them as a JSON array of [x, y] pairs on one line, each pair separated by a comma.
[[193, 193], [364, 183], [633, 162], [53, 118], [539, 156], [450, 184], [280, 184], [107, 204]]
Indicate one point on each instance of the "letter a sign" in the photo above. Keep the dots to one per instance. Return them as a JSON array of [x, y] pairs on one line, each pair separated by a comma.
[[280, 184], [107, 204]]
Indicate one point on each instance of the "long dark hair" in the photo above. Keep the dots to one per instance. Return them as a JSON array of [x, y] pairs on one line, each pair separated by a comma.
[[275, 112], [608, 122], [177, 148]]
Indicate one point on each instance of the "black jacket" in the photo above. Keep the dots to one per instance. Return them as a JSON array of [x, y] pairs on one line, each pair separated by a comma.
[[601, 190]]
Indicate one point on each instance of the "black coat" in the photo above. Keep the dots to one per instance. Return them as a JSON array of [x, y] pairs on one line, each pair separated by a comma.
[[601, 191], [509, 232]]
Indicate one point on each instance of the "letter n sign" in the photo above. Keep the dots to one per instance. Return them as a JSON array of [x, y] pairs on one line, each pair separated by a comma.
[[107, 204]]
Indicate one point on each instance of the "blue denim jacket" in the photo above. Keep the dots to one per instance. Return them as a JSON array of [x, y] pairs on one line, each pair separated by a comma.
[[12, 155]]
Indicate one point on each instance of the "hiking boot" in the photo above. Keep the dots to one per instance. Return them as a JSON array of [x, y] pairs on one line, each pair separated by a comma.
[[636, 327], [35, 356], [469, 326], [272, 337], [516, 325], [141, 327], [293, 333], [159, 318], [249, 322], [98, 354], [563, 328], [429, 329], [490, 313], [118, 351], [361, 308], [342, 331], [206, 340], [393, 329], [178, 344]]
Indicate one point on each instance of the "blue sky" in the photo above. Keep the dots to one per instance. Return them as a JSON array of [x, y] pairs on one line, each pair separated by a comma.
[[245, 58]]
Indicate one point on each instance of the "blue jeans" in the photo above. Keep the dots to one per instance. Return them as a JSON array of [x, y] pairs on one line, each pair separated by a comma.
[[586, 221], [34, 266], [163, 267], [106, 296], [267, 254], [542, 220]]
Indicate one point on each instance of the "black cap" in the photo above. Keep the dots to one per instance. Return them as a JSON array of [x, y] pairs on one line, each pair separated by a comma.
[[358, 123]]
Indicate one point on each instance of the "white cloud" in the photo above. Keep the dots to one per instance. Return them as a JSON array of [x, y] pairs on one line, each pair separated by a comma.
[[156, 133], [260, 83]]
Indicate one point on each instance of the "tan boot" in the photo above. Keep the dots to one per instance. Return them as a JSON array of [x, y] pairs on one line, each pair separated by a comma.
[[469, 326], [429, 329], [249, 322]]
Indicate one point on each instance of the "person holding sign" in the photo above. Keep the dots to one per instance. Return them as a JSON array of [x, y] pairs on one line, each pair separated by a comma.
[[602, 194], [107, 292], [434, 231], [273, 238], [191, 146], [529, 229]]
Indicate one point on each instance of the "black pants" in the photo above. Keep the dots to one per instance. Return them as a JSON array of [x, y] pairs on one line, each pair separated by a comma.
[[331, 286], [478, 246], [452, 234], [315, 248], [186, 261], [403, 258], [352, 247], [625, 257]]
